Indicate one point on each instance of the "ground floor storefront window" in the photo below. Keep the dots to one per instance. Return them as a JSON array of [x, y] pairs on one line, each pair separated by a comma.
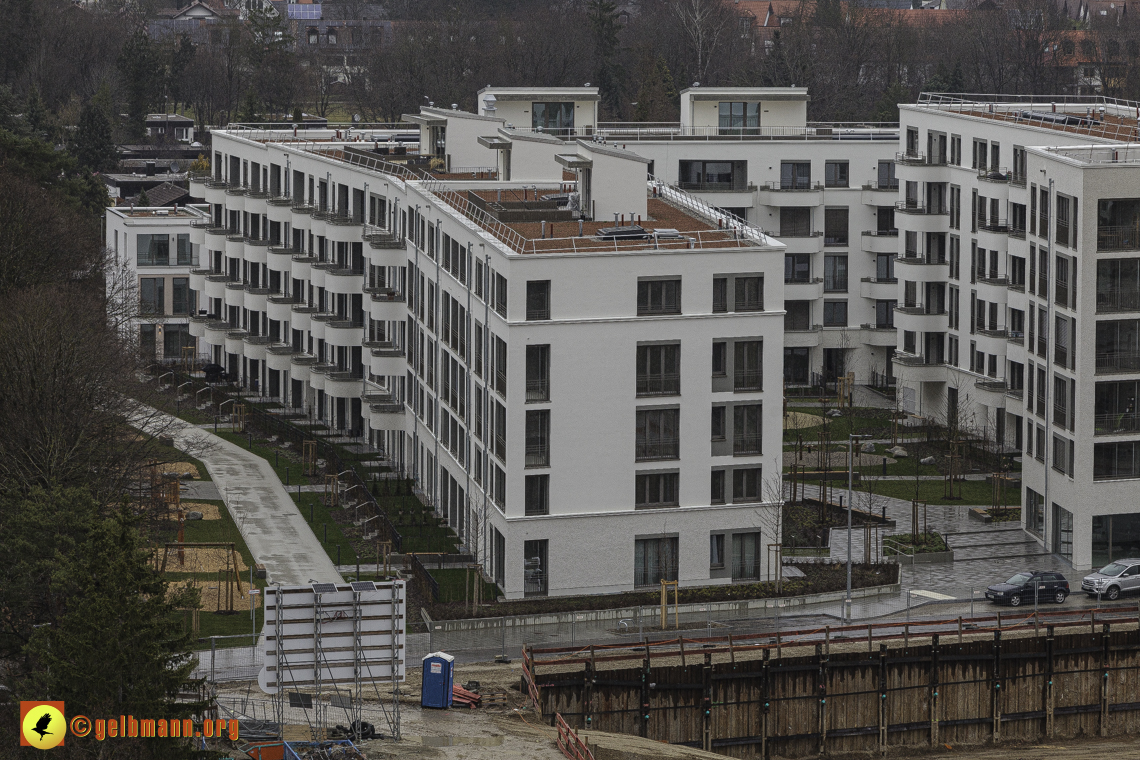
[[1115, 537]]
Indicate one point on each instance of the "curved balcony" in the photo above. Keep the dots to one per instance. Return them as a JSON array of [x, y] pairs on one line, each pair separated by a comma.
[[280, 257], [384, 413], [216, 286], [235, 294], [344, 332], [380, 239], [255, 346], [387, 360], [198, 229], [920, 268], [235, 245], [302, 316], [919, 217], [235, 199], [198, 326], [993, 234], [886, 289], [880, 242], [342, 228], [346, 281], [318, 375], [302, 267], [235, 342], [278, 209], [318, 323], [317, 273], [215, 332], [317, 224], [215, 191], [279, 357], [300, 366], [280, 308], [216, 238], [198, 279], [256, 250], [255, 201], [255, 298], [920, 319], [198, 183], [386, 304], [344, 384]]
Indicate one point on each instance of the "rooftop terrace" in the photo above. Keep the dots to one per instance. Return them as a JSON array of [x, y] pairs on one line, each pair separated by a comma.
[[1095, 117]]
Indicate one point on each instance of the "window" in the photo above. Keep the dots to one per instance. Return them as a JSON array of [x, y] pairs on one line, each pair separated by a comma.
[[535, 568], [746, 554], [886, 176], [718, 420], [153, 250], [1034, 512], [1062, 221], [185, 250], [885, 314], [835, 174], [796, 366], [552, 117], [174, 339], [332, 36], [797, 316], [537, 500], [716, 542], [746, 483], [835, 226], [538, 438], [181, 296], [746, 429], [658, 434], [720, 358], [834, 313], [1117, 285], [713, 175], [659, 370], [538, 373], [147, 342], [658, 297], [152, 295], [720, 295], [749, 294], [654, 560], [797, 267], [748, 364], [737, 118], [795, 221], [795, 175], [656, 489], [835, 273], [537, 300]]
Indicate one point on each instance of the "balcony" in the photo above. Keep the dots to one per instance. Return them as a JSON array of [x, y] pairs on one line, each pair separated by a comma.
[[747, 445], [803, 290], [992, 386], [790, 194], [1001, 176], [1120, 423], [1017, 233], [915, 207], [880, 241], [1016, 287], [657, 449], [917, 258], [1000, 282], [1116, 300], [1015, 337], [539, 390], [911, 158], [997, 226], [538, 455], [747, 380], [1118, 238], [736, 185], [666, 384], [1118, 362], [998, 332]]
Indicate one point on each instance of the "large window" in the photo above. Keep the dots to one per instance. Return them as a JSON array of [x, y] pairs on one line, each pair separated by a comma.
[[1115, 407], [658, 434], [796, 366], [835, 174], [658, 297], [537, 501], [834, 313], [1118, 346], [1034, 512], [1116, 460], [537, 300], [654, 560], [659, 370], [1117, 285], [538, 373], [797, 267], [748, 365], [181, 296], [535, 568], [835, 273], [835, 226], [147, 342], [739, 118], [713, 175], [552, 117], [795, 175], [746, 429], [153, 250], [538, 438], [749, 294], [656, 489], [185, 250], [1115, 537], [746, 484], [174, 339], [795, 221], [746, 556], [152, 295], [797, 316]]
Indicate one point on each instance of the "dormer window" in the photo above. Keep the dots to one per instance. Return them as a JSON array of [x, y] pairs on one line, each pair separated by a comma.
[[314, 36], [332, 36]]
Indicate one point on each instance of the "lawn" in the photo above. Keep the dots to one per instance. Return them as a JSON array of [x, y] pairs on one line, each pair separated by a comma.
[[451, 586], [974, 492], [325, 528], [422, 530]]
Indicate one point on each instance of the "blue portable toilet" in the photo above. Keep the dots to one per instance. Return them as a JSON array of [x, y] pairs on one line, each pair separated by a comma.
[[439, 674]]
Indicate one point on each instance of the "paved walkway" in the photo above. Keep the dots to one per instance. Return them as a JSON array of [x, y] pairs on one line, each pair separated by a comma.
[[273, 528]]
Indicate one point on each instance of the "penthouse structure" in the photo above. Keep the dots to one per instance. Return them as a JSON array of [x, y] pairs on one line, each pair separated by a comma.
[[1024, 213], [593, 407]]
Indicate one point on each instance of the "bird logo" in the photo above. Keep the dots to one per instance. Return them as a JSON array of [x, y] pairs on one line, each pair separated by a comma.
[[42, 724]]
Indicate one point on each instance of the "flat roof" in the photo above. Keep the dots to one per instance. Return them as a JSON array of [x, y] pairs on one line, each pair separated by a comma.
[[155, 212], [759, 93], [1096, 117], [537, 93]]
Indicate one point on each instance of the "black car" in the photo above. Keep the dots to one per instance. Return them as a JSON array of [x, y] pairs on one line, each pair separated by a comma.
[[1049, 586]]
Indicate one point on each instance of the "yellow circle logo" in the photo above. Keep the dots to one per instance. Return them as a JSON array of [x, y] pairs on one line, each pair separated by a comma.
[[44, 726]]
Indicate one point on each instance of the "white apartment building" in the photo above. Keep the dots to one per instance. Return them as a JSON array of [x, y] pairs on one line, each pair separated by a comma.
[[1019, 293], [591, 412], [827, 191], [154, 249]]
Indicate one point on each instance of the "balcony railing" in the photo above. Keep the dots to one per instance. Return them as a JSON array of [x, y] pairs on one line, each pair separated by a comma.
[[920, 310], [889, 185], [996, 386], [538, 390], [1119, 238], [1017, 232], [916, 360], [744, 445], [666, 384], [1120, 361], [792, 186], [910, 158], [746, 571], [732, 186], [994, 225], [880, 280], [1117, 299], [881, 233], [1019, 180], [1002, 281], [538, 455], [1120, 423], [994, 332], [1016, 336], [995, 175], [748, 380], [915, 207], [658, 448]]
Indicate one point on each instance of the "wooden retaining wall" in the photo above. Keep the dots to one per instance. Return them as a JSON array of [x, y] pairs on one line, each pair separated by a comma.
[[1042, 682]]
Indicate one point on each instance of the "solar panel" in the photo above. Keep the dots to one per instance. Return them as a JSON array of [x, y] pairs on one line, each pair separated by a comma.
[[305, 11], [363, 586], [324, 588]]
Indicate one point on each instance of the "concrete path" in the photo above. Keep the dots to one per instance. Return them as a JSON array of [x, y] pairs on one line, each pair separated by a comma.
[[273, 528]]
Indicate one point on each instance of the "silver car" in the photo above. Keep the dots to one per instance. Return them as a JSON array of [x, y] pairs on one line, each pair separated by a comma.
[[1120, 577]]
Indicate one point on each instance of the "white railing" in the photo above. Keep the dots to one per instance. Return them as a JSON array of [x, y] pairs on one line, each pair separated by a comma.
[[705, 211]]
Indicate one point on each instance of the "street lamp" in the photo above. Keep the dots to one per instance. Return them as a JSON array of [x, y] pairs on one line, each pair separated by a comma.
[[851, 438]]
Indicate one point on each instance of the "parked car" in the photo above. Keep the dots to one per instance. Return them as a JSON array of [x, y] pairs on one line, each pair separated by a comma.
[[1049, 587], [1120, 577]]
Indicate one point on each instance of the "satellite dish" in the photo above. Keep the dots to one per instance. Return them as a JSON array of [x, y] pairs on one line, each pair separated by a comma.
[[175, 167]]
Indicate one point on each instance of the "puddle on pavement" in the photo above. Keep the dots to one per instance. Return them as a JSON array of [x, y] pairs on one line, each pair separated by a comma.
[[454, 741]]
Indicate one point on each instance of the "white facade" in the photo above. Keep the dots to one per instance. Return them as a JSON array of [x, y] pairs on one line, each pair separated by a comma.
[[576, 429], [1015, 323], [153, 248]]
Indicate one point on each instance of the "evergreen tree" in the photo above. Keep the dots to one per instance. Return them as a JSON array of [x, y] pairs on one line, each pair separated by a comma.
[[142, 81], [657, 95], [144, 200], [94, 147], [607, 71]]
